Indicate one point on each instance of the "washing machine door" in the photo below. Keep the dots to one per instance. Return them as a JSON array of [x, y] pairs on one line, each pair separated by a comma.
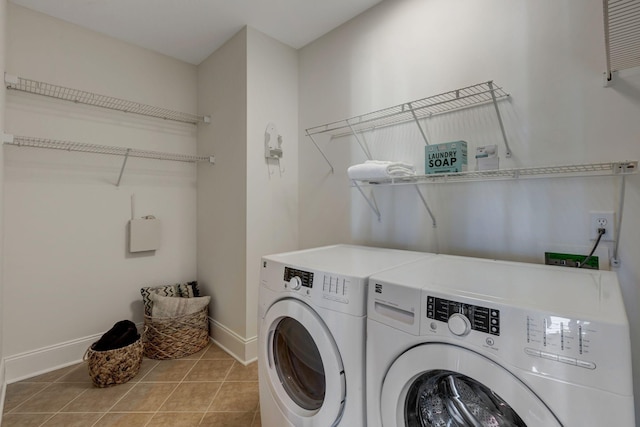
[[446, 385], [305, 370]]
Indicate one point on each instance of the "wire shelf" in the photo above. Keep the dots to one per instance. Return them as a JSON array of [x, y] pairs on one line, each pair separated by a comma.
[[458, 99], [594, 169], [25, 141], [622, 34], [103, 101]]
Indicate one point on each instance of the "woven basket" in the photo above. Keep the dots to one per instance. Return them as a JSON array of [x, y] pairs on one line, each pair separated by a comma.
[[175, 337], [111, 367]]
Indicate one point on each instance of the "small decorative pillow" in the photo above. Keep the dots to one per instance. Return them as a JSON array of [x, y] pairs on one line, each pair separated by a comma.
[[186, 290], [173, 307], [189, 289]]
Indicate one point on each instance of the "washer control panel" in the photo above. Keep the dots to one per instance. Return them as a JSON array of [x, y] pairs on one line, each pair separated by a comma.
[[561, 339], [298, 278], [463, 318]]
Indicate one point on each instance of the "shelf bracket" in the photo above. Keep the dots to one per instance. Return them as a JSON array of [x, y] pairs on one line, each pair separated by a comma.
[[6, 138], [364, 146], [124, 163], [10, 80], [371, 202], [615, 261], [413, 113], [433, 219], [495, 105], [320, 150]]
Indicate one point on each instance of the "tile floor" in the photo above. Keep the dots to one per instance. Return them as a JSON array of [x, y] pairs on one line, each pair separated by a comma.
[[209, 388]]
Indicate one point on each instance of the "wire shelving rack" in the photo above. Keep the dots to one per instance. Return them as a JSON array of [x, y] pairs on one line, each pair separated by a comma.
[[103, 101], [25, 141], [413, 111]]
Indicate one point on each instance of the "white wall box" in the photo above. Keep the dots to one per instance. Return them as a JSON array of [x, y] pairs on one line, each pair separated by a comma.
[[144, 234]]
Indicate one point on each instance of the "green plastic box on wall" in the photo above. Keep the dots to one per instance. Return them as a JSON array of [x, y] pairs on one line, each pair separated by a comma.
[[448, 157]]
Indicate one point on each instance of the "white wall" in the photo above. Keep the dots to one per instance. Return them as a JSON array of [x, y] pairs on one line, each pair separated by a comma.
[[68, 274], [3, 23], [222, 202], [549, 56], [272, 186], [247, 206]]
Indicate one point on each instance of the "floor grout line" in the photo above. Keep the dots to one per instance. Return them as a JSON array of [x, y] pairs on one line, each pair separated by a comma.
[[217, 392], [101, 414], [181, 381], [125, 394]]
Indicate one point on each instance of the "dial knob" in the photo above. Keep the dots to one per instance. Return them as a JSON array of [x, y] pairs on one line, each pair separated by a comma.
[[295, 283], [459, 324]]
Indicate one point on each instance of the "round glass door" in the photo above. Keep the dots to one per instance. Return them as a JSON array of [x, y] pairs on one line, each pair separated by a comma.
[[305, 374], [299, 364], [446, 398], [444, 385]]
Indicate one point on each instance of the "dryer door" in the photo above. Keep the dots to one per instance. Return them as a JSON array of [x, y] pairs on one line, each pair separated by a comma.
[[446, 385], [306, 375]]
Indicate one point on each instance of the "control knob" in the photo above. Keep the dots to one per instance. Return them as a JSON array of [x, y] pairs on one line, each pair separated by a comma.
[[459, 324], [295, 283]]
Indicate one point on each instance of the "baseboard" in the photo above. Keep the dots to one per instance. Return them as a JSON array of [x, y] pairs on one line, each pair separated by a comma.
[[244, 350], [3, 386], [46, 359]]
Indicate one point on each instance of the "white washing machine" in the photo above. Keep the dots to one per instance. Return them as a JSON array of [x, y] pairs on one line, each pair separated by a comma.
[[311, 340], [456, 341]]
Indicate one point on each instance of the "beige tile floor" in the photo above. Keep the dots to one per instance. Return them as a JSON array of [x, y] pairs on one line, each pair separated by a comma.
[[209, 388]]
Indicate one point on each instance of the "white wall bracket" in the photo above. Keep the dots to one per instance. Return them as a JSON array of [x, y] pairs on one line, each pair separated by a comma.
[[320, 150], [370, 201], [363, 145], [426, 206], [415, 117], [495, 105], [124, 163]]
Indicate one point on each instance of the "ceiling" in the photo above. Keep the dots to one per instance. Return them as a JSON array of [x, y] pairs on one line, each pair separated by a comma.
[[190, 30]]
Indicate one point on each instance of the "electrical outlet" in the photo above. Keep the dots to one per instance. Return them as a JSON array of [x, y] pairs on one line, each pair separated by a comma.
[[604, 220]]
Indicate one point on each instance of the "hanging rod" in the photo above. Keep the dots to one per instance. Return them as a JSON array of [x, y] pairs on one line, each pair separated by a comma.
[[25, 141], [622, 35], [97, 100], [478, 94]]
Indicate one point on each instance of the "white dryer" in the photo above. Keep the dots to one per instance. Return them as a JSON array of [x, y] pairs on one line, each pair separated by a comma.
[[311, 340], [456, 341]]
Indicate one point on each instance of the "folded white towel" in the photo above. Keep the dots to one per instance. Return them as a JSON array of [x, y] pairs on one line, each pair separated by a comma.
[[378, 169]]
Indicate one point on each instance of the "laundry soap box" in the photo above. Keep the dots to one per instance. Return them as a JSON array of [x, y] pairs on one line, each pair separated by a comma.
[[448, 157]]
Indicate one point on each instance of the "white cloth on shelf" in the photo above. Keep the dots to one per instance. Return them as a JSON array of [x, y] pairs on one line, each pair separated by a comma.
[[380, 169]]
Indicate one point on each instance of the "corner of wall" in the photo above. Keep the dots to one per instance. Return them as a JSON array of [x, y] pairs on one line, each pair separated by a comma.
[[3, 387], [244, 350], [3, 381]]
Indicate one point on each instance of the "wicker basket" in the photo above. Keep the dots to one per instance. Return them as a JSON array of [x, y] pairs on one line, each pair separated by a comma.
[[175, 337], [111, 367]]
